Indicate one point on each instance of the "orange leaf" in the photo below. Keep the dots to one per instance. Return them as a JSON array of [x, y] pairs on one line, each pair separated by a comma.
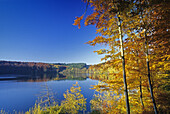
[[77, 21]]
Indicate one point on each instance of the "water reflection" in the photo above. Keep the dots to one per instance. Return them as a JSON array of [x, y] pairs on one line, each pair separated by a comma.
[[43, 77], [21, 93]]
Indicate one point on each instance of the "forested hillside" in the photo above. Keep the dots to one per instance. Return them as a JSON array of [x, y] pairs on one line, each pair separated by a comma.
[[34, 68], [25, 68]]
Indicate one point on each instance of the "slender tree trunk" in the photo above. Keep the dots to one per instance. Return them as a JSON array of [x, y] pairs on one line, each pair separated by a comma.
[[141, 93], [140, 85], [123, 66], [147, 62], [150, 85], [140, 88]]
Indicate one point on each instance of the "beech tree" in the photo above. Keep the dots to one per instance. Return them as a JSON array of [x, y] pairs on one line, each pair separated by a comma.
[[107, 17], [130, 29]]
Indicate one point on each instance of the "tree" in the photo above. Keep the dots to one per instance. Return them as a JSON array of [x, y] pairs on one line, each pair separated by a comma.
[[74, 100], [73, 103], [106, 15], [154, 35], [137, 39]]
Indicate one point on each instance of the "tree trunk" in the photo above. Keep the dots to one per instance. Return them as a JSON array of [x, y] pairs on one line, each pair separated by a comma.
[[141, 93], [123, 65], [150, 85], [140, 85]]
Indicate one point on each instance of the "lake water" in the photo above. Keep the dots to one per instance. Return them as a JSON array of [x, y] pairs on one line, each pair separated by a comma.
[[20, 95]]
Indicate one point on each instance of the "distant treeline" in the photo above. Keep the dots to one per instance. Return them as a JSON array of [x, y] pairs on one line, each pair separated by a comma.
[[33, 68], [25, 68], [73, 65], [73, 68]]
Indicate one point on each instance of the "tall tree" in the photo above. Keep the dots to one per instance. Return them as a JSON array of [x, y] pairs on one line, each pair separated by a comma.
[[131, 29], [123, 64], [106, 15]]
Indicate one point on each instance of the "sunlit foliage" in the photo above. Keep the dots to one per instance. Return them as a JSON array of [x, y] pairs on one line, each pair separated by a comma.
[[74, 100], [145, 30], [73, 103]]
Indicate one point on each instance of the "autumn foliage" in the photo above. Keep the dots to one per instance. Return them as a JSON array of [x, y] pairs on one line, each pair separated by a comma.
[[145, 31]]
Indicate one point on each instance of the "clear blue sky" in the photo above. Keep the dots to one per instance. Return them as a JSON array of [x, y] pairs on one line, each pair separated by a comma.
[[42, 31]]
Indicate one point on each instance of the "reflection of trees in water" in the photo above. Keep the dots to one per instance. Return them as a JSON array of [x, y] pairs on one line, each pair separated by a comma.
[[41, 78], [46, 97], [76, 76], [51, 76]]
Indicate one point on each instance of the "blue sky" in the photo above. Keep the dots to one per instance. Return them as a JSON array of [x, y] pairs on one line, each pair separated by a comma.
[[42, 31]]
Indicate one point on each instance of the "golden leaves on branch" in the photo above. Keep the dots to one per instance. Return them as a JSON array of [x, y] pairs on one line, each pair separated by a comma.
[[77, 21], [91, 19], [137, 21], [98, 40]]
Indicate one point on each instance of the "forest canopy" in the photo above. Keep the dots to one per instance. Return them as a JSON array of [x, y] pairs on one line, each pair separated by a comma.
[[136, 35]]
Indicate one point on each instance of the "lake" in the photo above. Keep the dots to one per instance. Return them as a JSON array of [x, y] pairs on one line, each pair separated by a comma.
[[20, 94]]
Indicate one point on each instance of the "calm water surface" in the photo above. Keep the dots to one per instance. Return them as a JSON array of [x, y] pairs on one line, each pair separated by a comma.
[[21, 95]]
